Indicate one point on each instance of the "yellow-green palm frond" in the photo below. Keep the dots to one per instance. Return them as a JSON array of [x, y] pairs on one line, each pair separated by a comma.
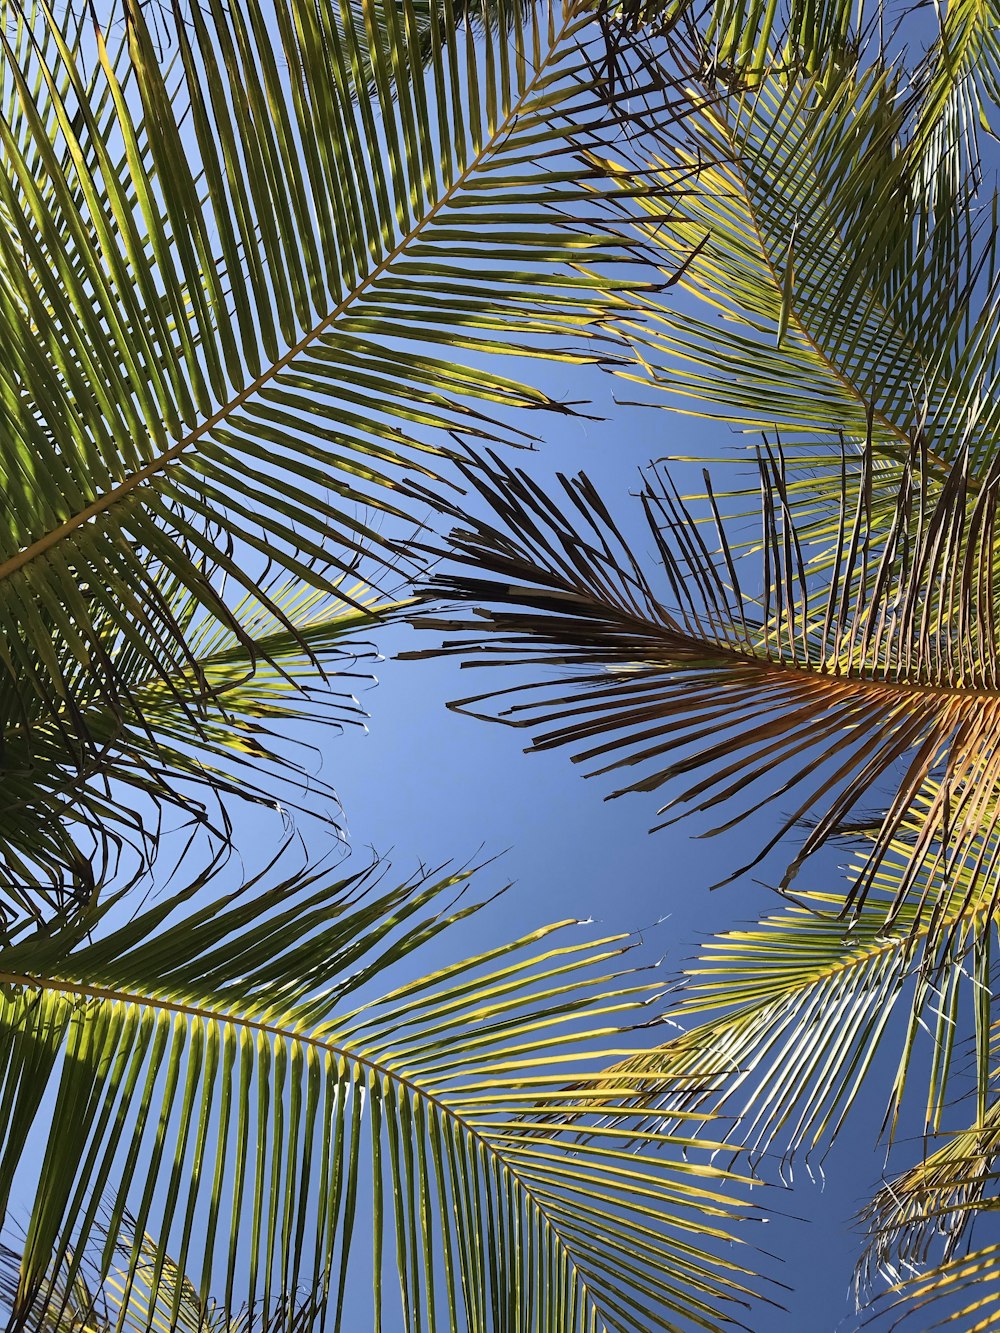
[[829, 302], [740, 42], [959, 86], [929, 1209], [780, 1027], [237, 1078], [960, 1293], [160, 1298]]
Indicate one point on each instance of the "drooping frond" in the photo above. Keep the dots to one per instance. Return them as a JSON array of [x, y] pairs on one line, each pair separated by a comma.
[[929, 1209], [292, 654], [232, 1076], [881, 670], [961, 1293]]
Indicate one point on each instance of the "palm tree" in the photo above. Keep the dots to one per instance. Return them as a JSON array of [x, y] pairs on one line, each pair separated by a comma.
[[258, 262]]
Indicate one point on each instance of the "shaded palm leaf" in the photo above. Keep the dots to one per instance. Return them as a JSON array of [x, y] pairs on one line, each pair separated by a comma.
[[885, 670], [176, 1304], [233, 1065], [184, 743]]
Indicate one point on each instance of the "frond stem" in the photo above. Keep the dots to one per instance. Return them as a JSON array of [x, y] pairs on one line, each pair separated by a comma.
[[445, 1111]]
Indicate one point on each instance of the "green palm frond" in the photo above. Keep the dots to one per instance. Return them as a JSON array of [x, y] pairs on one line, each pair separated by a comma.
[[175, 1306], [293, 654], [830, 304], [231, 1076], [960, 77], [739, 42], [245, 308], [81, 1309]]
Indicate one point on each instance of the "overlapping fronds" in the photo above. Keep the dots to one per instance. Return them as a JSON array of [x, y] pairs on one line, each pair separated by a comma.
[[930, 1208], [231, 1074], [175, 1307], [222, 281], [883, 669], [741, 41], [832, 303], [80, 1307], [780, 1027], [959, 82]]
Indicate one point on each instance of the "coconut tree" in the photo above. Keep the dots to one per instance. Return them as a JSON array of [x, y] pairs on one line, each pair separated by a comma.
[[259, 264]]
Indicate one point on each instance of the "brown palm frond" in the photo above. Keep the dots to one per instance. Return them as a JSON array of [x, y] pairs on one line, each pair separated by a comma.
[[885, 668]]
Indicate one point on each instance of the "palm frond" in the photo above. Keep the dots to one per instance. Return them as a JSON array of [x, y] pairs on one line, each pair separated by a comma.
[[229, 1074], [160, 1296], [959, 83], [845, 309], [293, 654], [739, 44], [782, 1026], [884, 670], [929, 1209], [222, 283], [963, 1293]]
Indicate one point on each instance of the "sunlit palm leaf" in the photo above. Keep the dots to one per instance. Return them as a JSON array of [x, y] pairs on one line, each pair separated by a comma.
[[222, 283], [928, 1210], [962, 1293], [781, 1026], [235, 1066], [960, 80], [739, 41], [844, 308]]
